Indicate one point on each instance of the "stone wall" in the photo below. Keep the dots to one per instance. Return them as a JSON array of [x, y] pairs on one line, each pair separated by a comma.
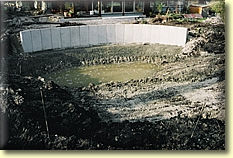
[[89, 35]]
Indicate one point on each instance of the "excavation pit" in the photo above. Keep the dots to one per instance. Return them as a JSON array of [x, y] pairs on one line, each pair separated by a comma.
[[97, 74], [168, 95]]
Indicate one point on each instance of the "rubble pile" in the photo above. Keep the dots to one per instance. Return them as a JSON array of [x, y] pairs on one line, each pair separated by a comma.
[[54, 18], [205, 37], [214, 20], [192, 48]]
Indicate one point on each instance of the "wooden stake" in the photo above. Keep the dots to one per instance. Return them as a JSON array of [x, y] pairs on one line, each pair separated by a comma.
[[45, 116]]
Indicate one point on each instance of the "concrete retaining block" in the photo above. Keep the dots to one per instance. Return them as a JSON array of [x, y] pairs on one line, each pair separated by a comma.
[[26, 40], [146, 33], [36, 42], [84, 36], [93, 34], [120, 33], [165, 34], [138, 33], [129, 33], [102, 34], [46, 39], [74, 36], [56, 37], [65, 37], [111, 33], [155, 34], [178, 36]]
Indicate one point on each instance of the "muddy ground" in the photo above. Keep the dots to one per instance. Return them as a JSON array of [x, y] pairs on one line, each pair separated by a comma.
[[180, 107]]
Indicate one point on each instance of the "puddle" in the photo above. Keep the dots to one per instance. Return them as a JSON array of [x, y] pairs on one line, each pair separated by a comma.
[[97, 74]]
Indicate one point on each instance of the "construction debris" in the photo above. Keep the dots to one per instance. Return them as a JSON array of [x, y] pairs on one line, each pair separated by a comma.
[[205, 37]]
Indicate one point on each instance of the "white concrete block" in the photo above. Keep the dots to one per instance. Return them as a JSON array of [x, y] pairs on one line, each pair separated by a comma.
[[102, 34], [26, 40], [36, 40], [74, 36], [56, 37], [65, 37], [120, 33], [51, 38], [171, 40], [178, 36], [84, 36], [93, 34], [129, 33], [46, 39], [146, 33], [155, 31], [111, 33], [164, 34], [138, 33]]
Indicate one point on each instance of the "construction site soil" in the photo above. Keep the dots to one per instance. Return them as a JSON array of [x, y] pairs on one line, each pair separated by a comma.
[[180, 107]]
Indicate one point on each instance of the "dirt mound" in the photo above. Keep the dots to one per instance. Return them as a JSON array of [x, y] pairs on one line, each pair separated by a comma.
[[173, 134], [33, 103], [205, 37]]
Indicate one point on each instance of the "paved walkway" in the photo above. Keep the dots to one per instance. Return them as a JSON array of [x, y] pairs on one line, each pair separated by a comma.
[[105, 19]]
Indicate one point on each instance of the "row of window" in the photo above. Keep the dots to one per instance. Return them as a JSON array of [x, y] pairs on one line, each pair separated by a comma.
[[107, 6], [128, 6]]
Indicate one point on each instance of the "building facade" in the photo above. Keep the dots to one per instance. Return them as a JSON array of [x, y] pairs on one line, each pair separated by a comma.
[[76, 8], [122, 7]]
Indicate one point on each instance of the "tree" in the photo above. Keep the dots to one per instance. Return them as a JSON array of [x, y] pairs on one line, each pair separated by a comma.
[[218, 7]]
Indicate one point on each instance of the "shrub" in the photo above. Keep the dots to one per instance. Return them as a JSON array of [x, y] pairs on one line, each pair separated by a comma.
[[218, 6]]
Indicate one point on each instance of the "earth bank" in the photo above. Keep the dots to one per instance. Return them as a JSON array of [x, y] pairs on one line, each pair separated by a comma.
[[70, 126]]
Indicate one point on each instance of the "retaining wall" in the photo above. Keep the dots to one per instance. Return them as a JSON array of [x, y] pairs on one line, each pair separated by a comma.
[[87, 35]]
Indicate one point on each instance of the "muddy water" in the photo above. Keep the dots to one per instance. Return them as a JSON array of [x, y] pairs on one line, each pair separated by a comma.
[[82, 76]]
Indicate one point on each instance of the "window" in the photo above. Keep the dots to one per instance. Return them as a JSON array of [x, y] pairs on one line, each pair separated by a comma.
[[138, 6], [107, 7], [128, 6], [117, 6], [95, 5]]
